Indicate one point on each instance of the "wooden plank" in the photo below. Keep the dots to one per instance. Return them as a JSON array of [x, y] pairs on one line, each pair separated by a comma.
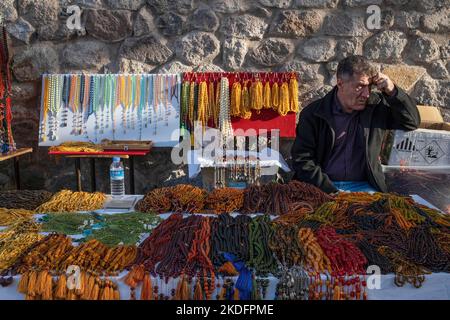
[[17, 153], [126, 145]]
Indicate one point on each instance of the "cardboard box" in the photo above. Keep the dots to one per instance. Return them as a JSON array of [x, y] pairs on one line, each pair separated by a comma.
[[429, 116], [428, 146]]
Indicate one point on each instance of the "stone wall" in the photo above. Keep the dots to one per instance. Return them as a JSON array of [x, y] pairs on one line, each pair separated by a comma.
[[308, 36]]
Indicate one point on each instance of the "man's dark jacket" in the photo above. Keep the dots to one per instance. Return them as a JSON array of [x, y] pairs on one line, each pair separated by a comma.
[[315, 135]]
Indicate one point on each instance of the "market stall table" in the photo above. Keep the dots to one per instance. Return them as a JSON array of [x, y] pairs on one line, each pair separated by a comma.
[[435, 287], [98, 155], [15, 155]]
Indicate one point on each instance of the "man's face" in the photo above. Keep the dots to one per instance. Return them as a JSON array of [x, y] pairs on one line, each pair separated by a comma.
[[353, 92]]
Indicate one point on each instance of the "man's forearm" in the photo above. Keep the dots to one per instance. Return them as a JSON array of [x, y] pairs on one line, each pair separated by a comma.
[[308, 171], [405, 114]]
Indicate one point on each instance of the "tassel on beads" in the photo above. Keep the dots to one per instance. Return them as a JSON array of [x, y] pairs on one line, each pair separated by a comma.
[[40, 283], [275, 96], [102, 292], [61, 287], [108, 294], [228, 269], [32, 283], [144, 289], [139, 276], [147, 290], [129, 278], [256, 96], [183, 291], [105, 287], [236, 294], [111, 290], [186, 293], [107, 291], [246, 113], [22, 286], [116, 292], [337, 293], [178, 290], [71, 295], [188, 290], [293, 92], [236, 92], [88, 284], [284, 100], [267, 99], [198, 293], [95, 291], [47, 293], [28, 297], [135, 276], [92, 282]]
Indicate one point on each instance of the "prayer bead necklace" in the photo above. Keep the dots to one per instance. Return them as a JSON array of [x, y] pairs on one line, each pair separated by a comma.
[[53, 106], [45, 108], [65, 100], [226, 131]]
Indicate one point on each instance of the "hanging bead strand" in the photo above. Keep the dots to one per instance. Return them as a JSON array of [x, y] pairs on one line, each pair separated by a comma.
[[45, 107], [65, 98], [142, 102]]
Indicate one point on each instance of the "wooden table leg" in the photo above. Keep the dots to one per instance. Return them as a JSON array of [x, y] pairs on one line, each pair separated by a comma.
[[93, 178], [78, 173], [17, 172], [132, 186]]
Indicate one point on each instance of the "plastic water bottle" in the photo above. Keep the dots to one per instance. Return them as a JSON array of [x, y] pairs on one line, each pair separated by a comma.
[[117, 177]]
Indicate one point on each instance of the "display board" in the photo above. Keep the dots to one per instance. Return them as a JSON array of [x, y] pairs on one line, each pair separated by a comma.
[[93, 107]]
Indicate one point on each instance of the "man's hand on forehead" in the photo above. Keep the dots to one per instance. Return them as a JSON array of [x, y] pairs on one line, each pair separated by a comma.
[[383, 83]]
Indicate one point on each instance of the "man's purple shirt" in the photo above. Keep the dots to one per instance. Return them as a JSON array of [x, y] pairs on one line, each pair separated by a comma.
[[348, 157]]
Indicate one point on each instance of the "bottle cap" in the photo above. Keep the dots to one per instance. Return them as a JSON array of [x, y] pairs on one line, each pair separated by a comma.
[[116, 159]]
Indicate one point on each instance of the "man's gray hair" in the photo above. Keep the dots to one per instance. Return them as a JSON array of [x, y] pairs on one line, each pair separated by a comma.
[[352, 65]]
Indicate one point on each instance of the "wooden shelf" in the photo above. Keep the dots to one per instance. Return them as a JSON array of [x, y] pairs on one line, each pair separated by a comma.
[[14, 154]]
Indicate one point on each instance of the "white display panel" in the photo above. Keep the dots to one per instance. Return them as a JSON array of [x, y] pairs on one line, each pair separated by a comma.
[[90, 108]]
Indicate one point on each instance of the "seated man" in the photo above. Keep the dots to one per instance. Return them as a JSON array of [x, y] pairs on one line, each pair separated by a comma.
[[339, 137]]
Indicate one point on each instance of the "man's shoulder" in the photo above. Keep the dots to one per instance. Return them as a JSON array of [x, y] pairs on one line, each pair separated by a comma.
[[313, 106]]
